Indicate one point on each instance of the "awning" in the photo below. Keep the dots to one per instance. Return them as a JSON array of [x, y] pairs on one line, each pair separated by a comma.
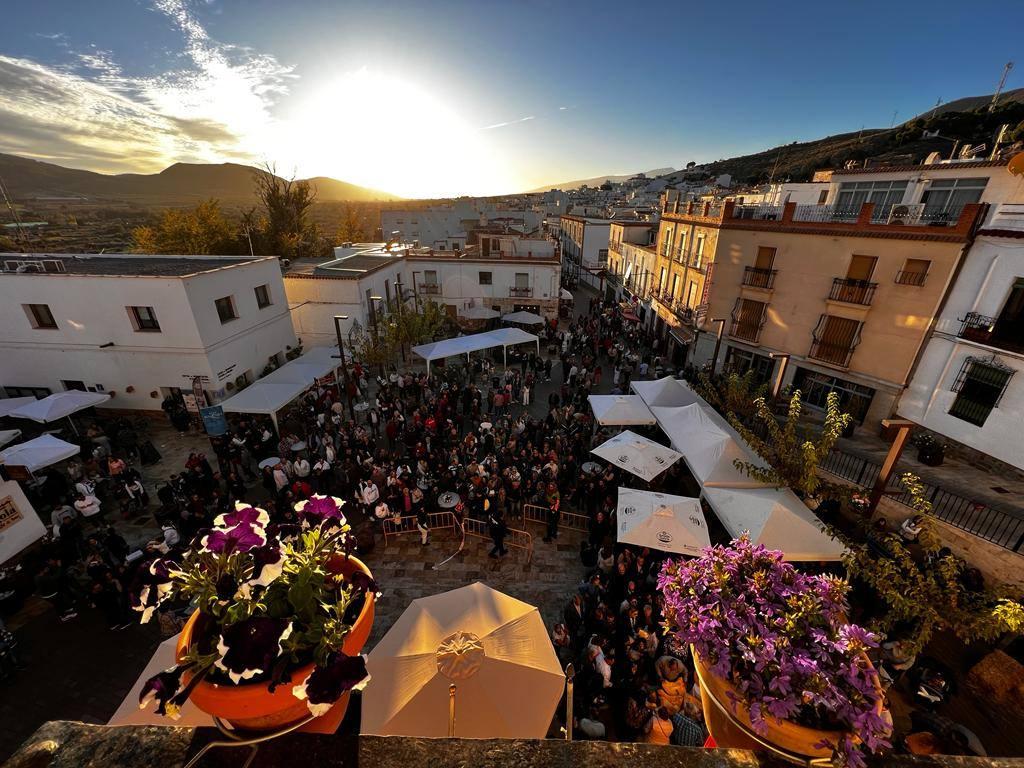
[[630, 317], [12, 403], [38, 453], [565, 295], [778, 519], [479, 313], [682, 336], [644, 458], [620, 410], [58, 405], [666, 391], [661, 521], [523, 317], [463, 345], [264, 397]]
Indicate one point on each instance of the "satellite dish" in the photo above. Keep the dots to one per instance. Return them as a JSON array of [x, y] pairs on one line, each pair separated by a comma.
[[1016, 164]]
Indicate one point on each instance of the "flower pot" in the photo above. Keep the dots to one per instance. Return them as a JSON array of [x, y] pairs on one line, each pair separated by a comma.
[[931, 457], [734, 729], [250, 706]]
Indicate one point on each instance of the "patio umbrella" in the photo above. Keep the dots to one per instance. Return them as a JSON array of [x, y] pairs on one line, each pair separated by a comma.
[[661, 521], [644, 458], [479, 313], [522, 317], [39, 453], [665, 392], [12, 403], [58, 405], [7, 435], [564, 294], [493, 648]]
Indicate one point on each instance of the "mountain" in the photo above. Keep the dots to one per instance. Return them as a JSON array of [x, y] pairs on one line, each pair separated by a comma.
[[599, 180], [969, 103], [180, 183]]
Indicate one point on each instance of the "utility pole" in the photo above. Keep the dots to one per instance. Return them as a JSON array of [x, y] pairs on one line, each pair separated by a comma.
[[893, 122], [398, 308], [344, 365], [999, 88], [935, 109]]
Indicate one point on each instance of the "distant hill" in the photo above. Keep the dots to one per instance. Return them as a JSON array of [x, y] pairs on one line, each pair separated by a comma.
[[179, 183], [968, 103], [599, 180]]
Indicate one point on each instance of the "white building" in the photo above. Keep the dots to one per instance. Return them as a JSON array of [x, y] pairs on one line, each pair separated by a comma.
[[969, 384], [584, 241], [140, 327], [448, 227]]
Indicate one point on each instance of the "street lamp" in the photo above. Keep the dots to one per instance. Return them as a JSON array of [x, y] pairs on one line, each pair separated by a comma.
[[344, 365], [784, 358], [718, 342], [376, 338]]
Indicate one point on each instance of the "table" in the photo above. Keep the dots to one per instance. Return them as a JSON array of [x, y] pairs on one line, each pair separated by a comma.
[[273, 461], [591, 468], [363, 406], [448, 500], [299, 446], [423, 484]]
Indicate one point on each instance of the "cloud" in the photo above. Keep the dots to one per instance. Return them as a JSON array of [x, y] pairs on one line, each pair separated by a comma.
[[88, 112], [509, 122]]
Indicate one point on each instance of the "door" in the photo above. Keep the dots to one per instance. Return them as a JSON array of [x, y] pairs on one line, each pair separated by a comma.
[[765, 257], [861, 268]]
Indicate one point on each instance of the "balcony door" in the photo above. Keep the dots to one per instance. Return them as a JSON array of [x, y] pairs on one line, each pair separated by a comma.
[[765, 258], [1008, 331], [861, 267]]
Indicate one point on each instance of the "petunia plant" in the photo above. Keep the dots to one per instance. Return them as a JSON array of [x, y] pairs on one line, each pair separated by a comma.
[[269, 603], [781, 639]]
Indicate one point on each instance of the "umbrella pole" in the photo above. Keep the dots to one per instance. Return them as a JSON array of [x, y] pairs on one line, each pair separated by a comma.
[[570, 673], [451, 711]]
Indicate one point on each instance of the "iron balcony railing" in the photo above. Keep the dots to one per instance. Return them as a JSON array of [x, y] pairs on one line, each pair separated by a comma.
[[758, 277], [903, 277], [522, 293], [853, 291], [986, 330], [830, 352], [760, 212], [431, 289], [826, 213]]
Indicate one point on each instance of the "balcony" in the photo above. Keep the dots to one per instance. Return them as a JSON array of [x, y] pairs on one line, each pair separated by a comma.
[[832, 353], [430, 289], [758, 277], [985, 330], [903, 277], [852, 291], [747, 331], [520, 293]]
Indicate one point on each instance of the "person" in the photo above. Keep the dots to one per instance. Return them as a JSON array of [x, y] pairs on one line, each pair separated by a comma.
[[659, 728], [422, 519], [301, 467], [498, 530], [553, 500], [687, 728], [88, 506], [911, 528], [51, 585]]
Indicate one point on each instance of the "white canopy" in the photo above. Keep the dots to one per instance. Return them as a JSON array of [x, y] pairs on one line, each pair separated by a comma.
[[492, 647], [644, 458], [7, 435], [479, 313], [776, 518], [58, 405], [661, 521], [463, 345], [21, 525], [622, 410], [524, 317], [565, 294], [709, 447], [12, 403], [38, 453], [266, 397], [665, 392]]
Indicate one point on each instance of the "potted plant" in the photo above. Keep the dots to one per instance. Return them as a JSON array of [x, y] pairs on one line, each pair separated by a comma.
[[774, 654], [930, 451], [282, 612]]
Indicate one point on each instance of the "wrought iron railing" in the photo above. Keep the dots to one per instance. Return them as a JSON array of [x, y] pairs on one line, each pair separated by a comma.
[[826, 213], [759, 212], [758, 277], [904, 277], [853, 291], [831, 352], [431, 289], [522, 293]]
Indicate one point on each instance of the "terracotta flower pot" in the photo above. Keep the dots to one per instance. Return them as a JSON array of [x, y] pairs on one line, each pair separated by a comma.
[[251, 706], [784, 734]]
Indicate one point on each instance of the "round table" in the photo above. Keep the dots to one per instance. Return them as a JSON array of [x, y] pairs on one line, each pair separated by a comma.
[[360, 407], [273, 461], [299, 446], [423, 484], [591, 468], [448, 500]]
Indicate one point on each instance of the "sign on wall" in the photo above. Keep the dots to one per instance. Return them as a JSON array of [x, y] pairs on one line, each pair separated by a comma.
[[20, 526], [214, 420]]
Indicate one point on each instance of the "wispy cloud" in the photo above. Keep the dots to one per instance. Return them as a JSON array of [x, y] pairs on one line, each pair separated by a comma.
[[90, 112], [509, 122]]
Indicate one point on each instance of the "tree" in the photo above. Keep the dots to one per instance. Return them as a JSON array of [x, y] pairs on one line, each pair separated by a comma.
[[731, 394], [919, 596], [792, 450], [202, 230], [352, 228], [286, 204]]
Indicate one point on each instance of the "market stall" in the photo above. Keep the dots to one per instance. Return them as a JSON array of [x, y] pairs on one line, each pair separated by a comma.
[[464, 345], [620, 410]]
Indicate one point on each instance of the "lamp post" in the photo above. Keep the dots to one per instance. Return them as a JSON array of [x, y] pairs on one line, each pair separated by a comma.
[[376, 337], [400, 296], [903, 428], [783, 358], [344, 365], [718, 342]]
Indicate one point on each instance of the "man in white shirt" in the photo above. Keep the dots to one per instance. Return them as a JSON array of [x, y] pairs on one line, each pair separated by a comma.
[[280, 478], [301, 467], [370, 493], [87, 506]]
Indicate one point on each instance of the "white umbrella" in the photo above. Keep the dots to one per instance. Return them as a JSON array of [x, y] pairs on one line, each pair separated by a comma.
[[620, 410], [479, 313], [564, 294], [522, 317], [492, 647], [12, 403], [644, 458], [38, 453], [7, 435], [666, 392], [661, 521], [58, 405]]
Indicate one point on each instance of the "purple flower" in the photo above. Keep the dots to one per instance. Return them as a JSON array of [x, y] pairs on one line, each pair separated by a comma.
[[324, 511], [248, 648], [326, 684], [241, 538], [362, 583], [151, 587], [243, 514], [268, 564], [162, 688]]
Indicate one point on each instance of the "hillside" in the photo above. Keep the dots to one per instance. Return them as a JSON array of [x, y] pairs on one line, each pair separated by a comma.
[[180, 183], [599, 180]]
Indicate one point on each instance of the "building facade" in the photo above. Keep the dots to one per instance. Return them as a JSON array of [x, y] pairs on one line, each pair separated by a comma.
[[584, 242], [140, 327]]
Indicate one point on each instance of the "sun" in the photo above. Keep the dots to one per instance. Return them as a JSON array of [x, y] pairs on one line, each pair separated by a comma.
[[385, 132]]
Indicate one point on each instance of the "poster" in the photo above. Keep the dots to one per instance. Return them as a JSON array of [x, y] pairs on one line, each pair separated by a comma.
[[214, 420]]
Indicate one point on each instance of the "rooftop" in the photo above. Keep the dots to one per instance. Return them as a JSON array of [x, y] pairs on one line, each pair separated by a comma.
[[120, 264], [941, 165], [350, 262]]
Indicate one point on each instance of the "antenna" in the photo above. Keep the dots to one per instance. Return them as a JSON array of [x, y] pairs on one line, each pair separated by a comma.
[[935, 109], [999, 88], [894, 113], [14, 212]]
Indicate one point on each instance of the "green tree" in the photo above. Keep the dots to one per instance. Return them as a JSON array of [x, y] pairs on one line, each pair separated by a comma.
[[352, 228], [920, 596], [202, 230], [288, 230], [792, 450], [731, 394]]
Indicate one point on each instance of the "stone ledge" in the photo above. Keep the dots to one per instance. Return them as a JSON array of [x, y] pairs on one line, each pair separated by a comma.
[[65, 744]]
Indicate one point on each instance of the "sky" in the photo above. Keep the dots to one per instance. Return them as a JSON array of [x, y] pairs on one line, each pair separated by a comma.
[[442, 98]]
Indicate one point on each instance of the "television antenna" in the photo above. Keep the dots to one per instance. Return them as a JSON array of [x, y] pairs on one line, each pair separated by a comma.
[[999, 88]]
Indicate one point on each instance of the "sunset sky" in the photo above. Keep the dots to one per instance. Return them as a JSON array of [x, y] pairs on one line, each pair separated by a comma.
[[445, 98]]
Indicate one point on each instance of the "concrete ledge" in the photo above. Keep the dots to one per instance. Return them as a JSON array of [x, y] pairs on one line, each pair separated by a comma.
[[64, 744]]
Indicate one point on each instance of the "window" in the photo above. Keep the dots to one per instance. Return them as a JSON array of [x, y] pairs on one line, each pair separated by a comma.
[[699, 249], [914, 272], [666, 245], [979, 385], [68, 385], [747, 319], [949, 196], [741, 360], [835, 339], [430, 277], [143, 319], [40, 315], [822, 196], [1008, 330], [854, 399], [853, 194], [765, 257], [226, 309], [675, 285], [36, 392], [522, 279], [861, 267], [485, 278], [691, 295], [262, 296], [681, 246]]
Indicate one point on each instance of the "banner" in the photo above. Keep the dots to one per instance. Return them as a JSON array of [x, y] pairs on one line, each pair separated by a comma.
[[214, 421]]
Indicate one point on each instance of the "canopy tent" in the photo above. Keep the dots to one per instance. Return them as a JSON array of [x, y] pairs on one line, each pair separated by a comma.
[[661, 521], [479, 313], [463, 345], [38, 453], [21, 524], [264, 397], [523, 317], [493, 648], [129, 712], [58, 405], [8, 435], [778, 519], [318, 363], [12, 403], [644, 458], [565, 295], [665, 392], [623, 410], [708, 448]]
